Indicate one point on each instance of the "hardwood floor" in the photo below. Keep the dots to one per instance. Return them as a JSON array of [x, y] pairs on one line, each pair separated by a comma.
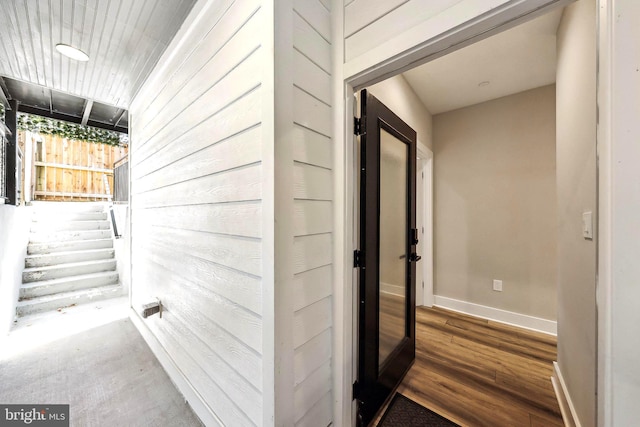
[[477, 372]]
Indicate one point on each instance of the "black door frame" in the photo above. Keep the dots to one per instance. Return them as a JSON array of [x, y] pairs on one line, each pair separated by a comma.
[[375, 385]]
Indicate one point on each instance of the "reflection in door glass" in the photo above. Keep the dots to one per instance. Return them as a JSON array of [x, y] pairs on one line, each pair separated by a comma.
[[393, 243]]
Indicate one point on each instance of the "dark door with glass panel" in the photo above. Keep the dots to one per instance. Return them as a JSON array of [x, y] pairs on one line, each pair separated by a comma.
[[387, 255]]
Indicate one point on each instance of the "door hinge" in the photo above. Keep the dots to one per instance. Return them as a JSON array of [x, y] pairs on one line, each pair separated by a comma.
[[358, 259], [358, 126]]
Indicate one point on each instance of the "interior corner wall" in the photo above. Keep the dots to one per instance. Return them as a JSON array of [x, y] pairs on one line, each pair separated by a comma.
[[310, 232], [396, 94], [495, 203], [576, 176], [14, 236]]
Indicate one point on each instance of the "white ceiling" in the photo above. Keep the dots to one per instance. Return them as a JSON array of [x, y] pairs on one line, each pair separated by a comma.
[[513, 61], [123, 38]]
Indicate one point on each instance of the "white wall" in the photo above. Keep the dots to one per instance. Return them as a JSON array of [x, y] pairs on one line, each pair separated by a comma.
[[619, 201], [304, 176], [231, 158], [576, 175], [495, 204], [368, 24], [196, 208], [14, 236]]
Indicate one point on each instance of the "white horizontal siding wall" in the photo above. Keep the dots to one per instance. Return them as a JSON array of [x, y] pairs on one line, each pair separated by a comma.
[[369, 23], [375, 31], [312, 213], [196, 203]]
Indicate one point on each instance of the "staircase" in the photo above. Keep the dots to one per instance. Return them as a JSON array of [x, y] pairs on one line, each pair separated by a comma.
[[70, 258]]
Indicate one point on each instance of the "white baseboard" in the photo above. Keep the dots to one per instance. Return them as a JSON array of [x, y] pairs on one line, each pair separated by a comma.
[[567, 409], [509, 317], [201, 409], [388, 288]]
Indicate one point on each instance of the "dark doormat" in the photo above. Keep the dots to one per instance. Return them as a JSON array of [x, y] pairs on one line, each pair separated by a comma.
[[404, 412]]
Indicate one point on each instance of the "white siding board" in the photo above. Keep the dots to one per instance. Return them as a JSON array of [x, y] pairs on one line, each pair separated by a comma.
[[242, 79], [308, 41], [310, 321], [312, 217], [312, 390], [311, 355], [231, 55], [400, 19], [320, 414], [235, 219], [239, 253], [311, 286], [316, 14], [237, 287], [242, 114], [238, 150], [311, 147], [312, 182], [227, 17], [245, 361], [311, 78], [180, 68], [235, 319], [196, 204], [312, 214], [311, 112], [179, 344], [239, 184], [360, 13]]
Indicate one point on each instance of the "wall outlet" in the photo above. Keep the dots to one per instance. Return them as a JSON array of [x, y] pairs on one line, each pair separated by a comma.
[[497, 285]]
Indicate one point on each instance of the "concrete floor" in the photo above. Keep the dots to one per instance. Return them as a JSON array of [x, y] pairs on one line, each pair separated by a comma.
[[107, 374]]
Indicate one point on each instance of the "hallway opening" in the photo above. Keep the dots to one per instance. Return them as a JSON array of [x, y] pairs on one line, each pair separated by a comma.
[[500, 222]]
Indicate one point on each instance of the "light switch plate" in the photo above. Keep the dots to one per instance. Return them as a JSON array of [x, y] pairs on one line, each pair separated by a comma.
[[497, 285], [587, 225]]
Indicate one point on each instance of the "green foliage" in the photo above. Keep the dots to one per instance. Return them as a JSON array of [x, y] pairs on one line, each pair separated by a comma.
[[46, 126]]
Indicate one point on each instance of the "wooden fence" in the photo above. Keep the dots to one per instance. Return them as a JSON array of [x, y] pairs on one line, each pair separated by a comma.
[[68, 169]]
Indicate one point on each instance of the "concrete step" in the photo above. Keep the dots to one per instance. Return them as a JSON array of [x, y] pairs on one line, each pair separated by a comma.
[[59, 225], [63, 236], [43, 260], [66, 299], [73, 245], [67, 284], [65, 270], [69, 216], [58, 207]]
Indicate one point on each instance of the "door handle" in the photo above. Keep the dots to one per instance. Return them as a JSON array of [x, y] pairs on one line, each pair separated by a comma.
[[414, 257]]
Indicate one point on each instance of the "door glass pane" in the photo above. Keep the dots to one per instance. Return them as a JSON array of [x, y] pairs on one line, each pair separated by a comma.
[[393, 243]]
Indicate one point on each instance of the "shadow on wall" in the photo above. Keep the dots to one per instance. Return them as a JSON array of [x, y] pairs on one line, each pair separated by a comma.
[[14, 236]]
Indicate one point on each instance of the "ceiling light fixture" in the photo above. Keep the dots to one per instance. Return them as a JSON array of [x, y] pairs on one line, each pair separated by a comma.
[[72, 52], [483, 84]]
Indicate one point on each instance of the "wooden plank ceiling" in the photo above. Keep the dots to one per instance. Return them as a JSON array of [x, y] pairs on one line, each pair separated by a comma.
[[123, 38]]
